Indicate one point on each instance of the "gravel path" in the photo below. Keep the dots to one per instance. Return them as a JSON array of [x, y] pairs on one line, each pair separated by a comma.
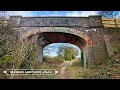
[[64, 66]]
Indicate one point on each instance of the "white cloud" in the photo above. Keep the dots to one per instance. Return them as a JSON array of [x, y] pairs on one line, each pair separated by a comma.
[[21, 13], [87, 13], [73, 13], [81, 13]]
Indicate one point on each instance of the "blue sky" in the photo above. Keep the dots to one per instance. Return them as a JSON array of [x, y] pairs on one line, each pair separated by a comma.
[[53, 13], [53, 51]]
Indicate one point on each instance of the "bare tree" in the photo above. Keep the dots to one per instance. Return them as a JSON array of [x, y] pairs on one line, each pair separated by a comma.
[[67, 52], [3, 14], [109, 14]]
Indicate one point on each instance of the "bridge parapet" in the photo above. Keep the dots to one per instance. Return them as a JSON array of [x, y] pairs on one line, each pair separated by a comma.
[[91, 21], [83, 22]]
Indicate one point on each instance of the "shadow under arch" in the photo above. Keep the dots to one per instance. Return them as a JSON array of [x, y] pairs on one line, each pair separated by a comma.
[[72, 31]]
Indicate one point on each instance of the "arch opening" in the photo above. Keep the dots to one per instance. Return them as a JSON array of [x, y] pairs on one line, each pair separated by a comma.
[[51, 52], [52, 49], [60, 37]]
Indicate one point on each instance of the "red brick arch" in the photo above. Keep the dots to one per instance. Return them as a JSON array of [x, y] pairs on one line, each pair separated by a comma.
[[34, 31]]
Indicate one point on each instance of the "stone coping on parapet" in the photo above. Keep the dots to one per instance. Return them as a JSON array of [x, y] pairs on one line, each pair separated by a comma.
[[91, 21]]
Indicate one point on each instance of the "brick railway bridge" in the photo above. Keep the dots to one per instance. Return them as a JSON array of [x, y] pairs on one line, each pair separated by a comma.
[[88, 33]]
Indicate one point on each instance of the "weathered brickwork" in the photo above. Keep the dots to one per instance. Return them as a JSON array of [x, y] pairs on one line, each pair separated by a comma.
[[112, 38], [91, 21], [85, 32]]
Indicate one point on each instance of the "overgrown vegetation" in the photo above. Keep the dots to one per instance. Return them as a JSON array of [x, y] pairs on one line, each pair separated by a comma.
[[67, 53], [111, 70], [14, 52], [56, 60]]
